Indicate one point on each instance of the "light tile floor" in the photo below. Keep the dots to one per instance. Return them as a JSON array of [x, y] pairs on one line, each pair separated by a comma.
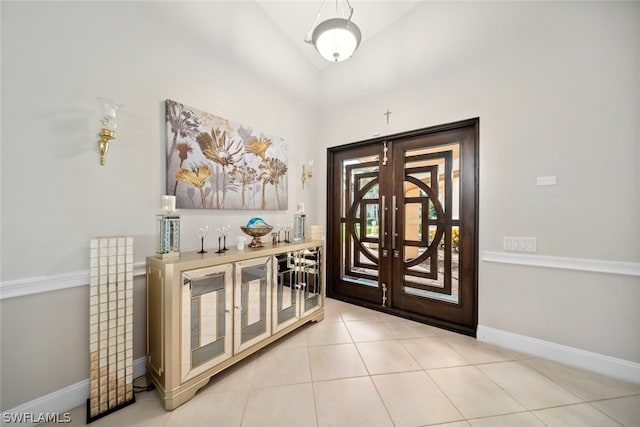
[[359, 367]]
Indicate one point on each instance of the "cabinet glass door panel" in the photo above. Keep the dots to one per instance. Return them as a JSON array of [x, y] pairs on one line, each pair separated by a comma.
[[206, 329], [252, 309], [310, 278], [285, 298]]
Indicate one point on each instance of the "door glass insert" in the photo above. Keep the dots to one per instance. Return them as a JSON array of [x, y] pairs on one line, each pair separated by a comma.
[[431, 190], [360, 220]]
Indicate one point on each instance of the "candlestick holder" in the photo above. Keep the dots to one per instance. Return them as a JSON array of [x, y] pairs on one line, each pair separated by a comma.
[[202, 232], [168, 235], [287, 230], [219, 233], [225, 233]]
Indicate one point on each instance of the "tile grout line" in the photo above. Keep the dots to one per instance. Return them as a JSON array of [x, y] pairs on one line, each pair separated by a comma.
[[246, 399], [583, 399], [369, 374], [382, 400], [433, 380], [502, 388], [313, 388], [603, 413]]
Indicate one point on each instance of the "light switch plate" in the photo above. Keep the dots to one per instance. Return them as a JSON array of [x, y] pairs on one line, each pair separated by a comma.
[[519, 244], [546, 180]]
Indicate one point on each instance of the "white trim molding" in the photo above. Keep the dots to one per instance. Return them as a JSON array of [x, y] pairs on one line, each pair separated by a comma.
[[564, 263], [54, 282], [606, 365], [65, 399]]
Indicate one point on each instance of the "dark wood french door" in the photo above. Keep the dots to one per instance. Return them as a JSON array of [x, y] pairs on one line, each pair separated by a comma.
[[402, 224]]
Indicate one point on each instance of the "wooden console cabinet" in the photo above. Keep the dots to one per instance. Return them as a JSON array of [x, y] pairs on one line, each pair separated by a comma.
[[206, 312]]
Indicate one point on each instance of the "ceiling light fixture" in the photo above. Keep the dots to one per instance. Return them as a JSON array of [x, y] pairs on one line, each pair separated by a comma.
[[337, 38]]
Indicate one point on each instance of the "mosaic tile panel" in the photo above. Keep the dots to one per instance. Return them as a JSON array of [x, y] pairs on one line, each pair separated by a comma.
[[110, 324]]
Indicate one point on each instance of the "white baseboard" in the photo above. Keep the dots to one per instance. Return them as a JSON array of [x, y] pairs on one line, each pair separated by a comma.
[[65, 399], [606, 365]]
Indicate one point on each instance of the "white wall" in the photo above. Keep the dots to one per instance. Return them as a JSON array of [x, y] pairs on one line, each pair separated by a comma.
[[557, 89], [57, 57]]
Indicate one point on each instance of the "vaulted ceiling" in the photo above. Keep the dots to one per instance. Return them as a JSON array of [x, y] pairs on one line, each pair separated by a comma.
[[295, 18]]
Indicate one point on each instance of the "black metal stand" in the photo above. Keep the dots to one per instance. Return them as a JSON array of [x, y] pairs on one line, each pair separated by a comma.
[[202, 251], [91, 419]]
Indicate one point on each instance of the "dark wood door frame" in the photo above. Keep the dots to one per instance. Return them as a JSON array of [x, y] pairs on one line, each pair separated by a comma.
[[470, 245]]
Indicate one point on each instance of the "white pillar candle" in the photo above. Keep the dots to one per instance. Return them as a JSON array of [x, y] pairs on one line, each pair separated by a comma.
[[168, 203]]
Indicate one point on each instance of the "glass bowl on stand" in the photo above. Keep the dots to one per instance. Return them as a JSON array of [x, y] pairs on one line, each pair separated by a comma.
[[256, 232]]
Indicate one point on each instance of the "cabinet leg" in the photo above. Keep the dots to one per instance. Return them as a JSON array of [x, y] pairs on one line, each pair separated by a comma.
[[171, 401]]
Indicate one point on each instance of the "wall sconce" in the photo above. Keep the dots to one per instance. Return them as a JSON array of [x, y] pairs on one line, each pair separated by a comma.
[[307, 172], [109, 119]]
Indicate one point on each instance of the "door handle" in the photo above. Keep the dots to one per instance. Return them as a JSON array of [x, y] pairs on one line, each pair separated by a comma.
[[382, 236], [393, 223], [384, 294]]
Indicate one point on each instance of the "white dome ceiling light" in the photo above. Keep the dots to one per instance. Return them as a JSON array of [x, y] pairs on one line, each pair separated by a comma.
[[337, 38]]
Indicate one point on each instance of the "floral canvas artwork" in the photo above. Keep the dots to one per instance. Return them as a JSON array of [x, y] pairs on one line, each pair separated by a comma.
[[214, 163]]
